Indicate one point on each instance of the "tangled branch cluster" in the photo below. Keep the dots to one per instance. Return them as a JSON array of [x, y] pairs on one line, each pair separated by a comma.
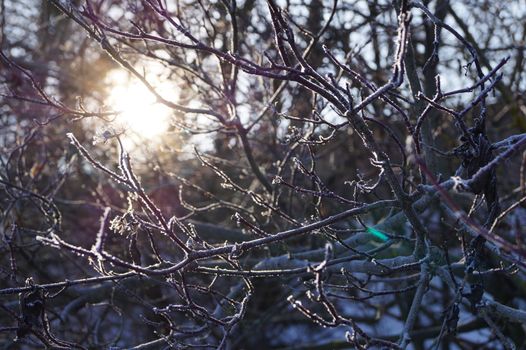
[[372, 203]]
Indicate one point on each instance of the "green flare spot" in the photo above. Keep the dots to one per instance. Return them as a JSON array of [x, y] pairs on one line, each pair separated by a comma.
[[377, 233]]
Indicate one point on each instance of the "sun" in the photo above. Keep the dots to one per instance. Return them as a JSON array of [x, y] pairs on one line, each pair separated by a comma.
[[139, 112]]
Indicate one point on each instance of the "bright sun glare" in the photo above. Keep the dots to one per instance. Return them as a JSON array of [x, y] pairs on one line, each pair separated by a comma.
[[140, 113]]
